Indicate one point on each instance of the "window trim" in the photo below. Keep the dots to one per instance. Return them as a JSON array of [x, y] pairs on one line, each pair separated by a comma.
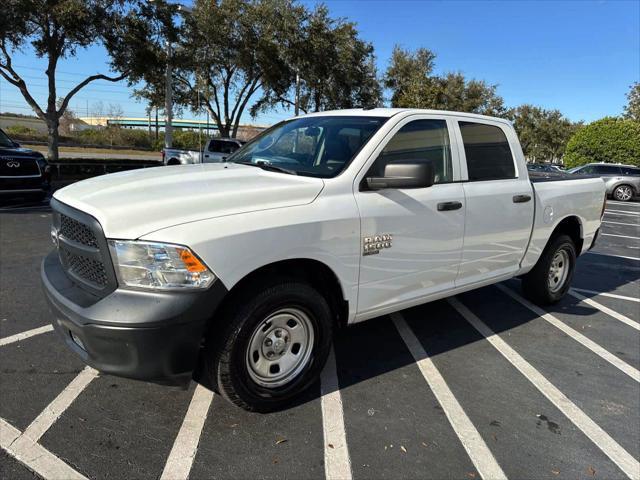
[[453, 146], [463, 154]]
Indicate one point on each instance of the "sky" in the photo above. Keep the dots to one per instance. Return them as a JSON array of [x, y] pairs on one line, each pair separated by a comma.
[[579, 57]]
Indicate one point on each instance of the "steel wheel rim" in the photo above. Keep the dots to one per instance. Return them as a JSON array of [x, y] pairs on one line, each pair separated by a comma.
[[623, 193], [280, 347], [559, 271]]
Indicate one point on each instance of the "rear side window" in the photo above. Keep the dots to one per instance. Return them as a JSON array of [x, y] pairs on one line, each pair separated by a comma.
[[215, 146], [631, 171], [607, 170], [487, 151]]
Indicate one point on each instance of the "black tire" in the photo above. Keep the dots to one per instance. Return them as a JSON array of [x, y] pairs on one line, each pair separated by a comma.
[[225, 354], [173, 161], [536, 285], [621, 193]]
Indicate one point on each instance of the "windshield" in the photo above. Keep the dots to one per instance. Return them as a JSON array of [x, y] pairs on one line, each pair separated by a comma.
[[5, 141], [312, 146]]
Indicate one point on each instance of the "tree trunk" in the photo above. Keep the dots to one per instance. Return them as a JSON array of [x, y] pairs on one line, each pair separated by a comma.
[[53, 139], [224, 130]]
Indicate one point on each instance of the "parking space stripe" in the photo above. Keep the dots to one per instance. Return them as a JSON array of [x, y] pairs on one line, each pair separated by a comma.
[[621, 236], [610, 255], [185, 446], [34, 456], [469, 436], [612, 449], [627, 212], [21, 336], [574, 334], [619, 212], [620, 223], [618, 316], [626, 204], [337, 462], [607, 294], [52, 412]]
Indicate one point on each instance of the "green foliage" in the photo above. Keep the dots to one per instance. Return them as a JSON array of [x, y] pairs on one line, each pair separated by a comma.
[[543, 133], [57, 29], [632, 108], [413, 85], [606, 140]]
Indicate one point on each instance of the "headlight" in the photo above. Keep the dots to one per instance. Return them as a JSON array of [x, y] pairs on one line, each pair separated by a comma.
[[158, 266]]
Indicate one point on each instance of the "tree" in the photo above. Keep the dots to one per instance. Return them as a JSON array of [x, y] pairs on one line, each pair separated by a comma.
[[607, 140], [57, 29], [229, 52], [336, 69], [413, 85], [632, 108], [543, 133]]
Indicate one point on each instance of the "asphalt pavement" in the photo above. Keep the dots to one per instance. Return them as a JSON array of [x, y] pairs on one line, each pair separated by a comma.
[[485, 385]]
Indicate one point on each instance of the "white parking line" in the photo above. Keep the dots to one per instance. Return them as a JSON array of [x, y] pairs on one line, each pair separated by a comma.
[[618, 316], [610, 210], [610, 255], [185, 447], [21, 336], [52, 412], [612, 449], [577, 336], [337, 463], [622, 213], [621, 236], [607, 294], [620, 223], [626, 204], [472, 442], [34, 456]]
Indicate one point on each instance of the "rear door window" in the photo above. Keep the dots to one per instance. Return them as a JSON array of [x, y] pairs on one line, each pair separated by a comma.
[[488, 153], [630, 171], [607, 170]]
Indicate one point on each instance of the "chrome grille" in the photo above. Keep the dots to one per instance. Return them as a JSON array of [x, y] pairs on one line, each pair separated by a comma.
[[19, 167], [76, 231]]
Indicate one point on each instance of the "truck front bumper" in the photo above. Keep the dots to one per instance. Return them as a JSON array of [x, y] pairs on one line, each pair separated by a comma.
[[147, 335]]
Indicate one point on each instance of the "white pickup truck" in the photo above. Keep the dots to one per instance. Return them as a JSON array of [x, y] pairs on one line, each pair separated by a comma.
[[216, 150], [241, 271]]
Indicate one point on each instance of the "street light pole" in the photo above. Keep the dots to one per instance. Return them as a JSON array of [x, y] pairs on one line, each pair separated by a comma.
[[168, 102]]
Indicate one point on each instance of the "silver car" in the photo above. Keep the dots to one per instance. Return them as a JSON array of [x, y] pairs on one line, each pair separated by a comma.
[[622, 181]]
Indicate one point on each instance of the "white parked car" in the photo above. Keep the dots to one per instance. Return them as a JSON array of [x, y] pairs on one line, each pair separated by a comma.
[[216, 150], [240, 271]]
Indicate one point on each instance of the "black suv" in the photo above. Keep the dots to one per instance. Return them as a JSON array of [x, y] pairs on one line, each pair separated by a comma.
[[23, 172]]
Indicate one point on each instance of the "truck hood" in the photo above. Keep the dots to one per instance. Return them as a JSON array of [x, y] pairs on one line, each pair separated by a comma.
[[131, 204]]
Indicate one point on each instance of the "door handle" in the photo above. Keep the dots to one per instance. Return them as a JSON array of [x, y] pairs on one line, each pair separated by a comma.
[[446, 206], [521, 198]]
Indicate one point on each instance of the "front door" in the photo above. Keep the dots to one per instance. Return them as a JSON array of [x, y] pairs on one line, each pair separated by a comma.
[[412, 238]]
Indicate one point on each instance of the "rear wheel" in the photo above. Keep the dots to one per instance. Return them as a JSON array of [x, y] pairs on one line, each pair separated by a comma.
[[623, 193], [272, 344], [550, 279]]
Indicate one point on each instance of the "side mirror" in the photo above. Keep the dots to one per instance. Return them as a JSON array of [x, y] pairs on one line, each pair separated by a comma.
[[16, 144], [404, 175]]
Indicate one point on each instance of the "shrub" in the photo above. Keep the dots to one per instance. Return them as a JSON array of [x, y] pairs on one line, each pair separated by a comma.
[[607, 140]]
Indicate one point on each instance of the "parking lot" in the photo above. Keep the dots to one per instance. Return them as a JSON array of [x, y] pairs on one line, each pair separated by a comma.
[[484, 385]]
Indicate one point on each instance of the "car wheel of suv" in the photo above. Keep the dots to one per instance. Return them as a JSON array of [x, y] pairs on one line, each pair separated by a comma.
[[623, 193], [270, 349], [550, 279]]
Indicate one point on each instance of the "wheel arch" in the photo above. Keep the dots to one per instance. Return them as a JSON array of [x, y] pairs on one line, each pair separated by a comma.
[[572, 227], [316, 273]]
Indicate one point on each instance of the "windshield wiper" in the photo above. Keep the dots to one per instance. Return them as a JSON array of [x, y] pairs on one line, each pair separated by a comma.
[[269, 167]]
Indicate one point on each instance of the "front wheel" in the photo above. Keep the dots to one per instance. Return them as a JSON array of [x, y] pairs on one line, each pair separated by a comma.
[[551, 278], [271, 346], [623, 193]]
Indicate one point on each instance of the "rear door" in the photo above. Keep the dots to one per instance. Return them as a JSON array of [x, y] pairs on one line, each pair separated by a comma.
[[499, 200]]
